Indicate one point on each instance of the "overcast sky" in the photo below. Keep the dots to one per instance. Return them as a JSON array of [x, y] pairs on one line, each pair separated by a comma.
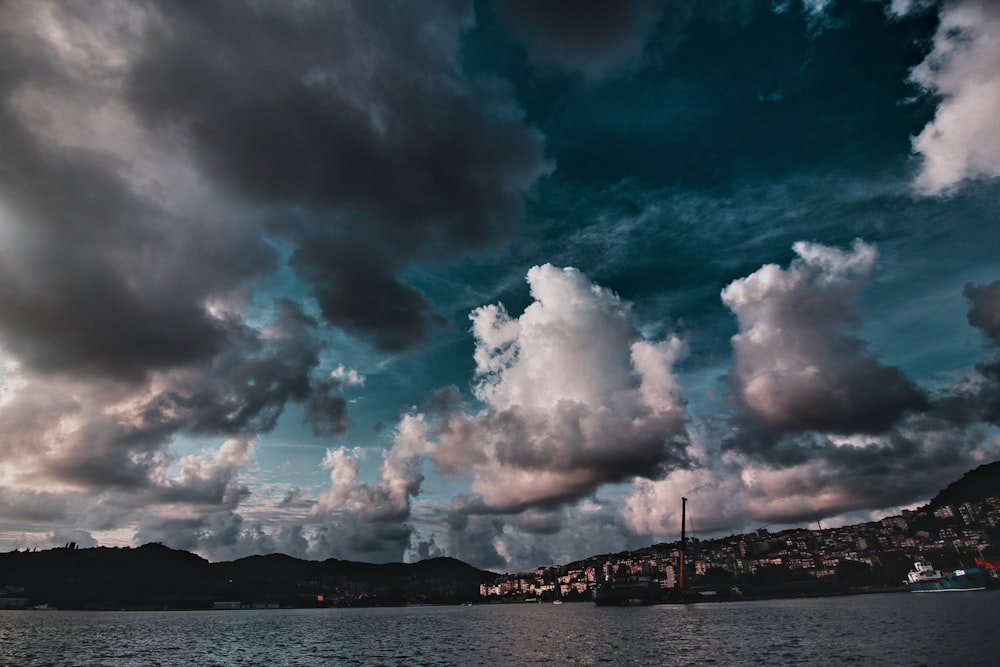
[[498, 280]]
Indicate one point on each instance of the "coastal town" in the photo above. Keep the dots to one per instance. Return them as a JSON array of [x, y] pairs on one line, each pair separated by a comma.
[[866, 556]]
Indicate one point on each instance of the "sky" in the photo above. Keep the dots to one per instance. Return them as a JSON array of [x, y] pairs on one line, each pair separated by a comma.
[[498, 280]]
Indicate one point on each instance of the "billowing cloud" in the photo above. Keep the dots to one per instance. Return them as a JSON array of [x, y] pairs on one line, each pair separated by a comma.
[[840, 480], [81, 538], [400, 477], [348, 537], [372, 518], [573, 398], [977, 396], [653, 507], [797, 367], [963, 69], [539, 537]]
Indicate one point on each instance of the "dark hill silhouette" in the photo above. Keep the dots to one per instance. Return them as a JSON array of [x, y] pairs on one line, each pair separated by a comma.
[[154, 576], [974, 485]]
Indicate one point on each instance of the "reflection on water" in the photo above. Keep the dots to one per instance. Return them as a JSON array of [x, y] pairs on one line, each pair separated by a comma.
[[899, 629]]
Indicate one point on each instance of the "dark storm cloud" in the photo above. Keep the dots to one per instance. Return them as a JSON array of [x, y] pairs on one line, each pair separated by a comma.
[[227, 535], [102, 436], [905, 467], [357, 115], [349, 538], [245, 388], [985, 395], [537, 522], [474, 539], [218, 536], [442, 402], [809, 477], [362, 297], [325, 411], [79, 292], [595, 37], [985, 312], [18, 505], [427, 549], [292, 497], [118, 291], [977, 398], [99, 274]]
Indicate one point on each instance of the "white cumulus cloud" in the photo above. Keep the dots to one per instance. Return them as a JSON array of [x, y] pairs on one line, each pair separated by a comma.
[[573, 397], [348, 377], [399, 481], [963, 68]]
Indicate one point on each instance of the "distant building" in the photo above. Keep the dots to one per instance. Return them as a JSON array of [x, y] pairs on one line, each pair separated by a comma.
[[946, 512], [968, 513]]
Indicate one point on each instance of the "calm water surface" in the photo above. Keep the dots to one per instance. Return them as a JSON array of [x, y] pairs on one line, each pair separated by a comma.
[[898, 629]]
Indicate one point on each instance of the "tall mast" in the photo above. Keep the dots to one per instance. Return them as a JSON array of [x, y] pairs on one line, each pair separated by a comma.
[[683, 541]]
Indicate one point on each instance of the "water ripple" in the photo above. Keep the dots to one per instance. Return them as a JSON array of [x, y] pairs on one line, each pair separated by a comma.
[[892, 630]]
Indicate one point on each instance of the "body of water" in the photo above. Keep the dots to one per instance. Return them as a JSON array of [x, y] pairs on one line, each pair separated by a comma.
[[890, 629]]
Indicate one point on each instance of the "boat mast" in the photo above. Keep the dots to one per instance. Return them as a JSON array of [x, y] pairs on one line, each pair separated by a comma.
[[683, 541]]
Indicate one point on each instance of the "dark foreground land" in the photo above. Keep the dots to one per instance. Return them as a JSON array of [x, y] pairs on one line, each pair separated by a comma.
[[156, 577]]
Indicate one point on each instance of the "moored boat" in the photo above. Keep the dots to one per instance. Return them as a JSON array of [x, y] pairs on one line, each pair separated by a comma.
[[924, 578], [631, 591]]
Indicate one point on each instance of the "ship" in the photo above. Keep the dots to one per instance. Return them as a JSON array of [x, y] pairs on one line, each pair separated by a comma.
[[630, 591], [924, 578]]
